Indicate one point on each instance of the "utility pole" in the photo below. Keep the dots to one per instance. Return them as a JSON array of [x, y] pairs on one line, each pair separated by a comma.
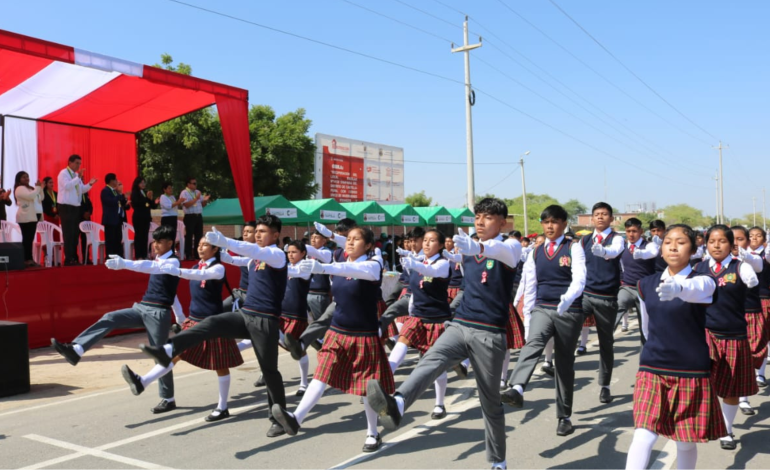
[[524, 193], [764, 221], [605, 184], [754, 210], [719, 215], [721, 182], [470, 99]]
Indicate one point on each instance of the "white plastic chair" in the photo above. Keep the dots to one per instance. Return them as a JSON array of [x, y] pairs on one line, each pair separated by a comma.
[[127, 241], [150, 249], [180, 238], [92, 229], [6, 231], [54, 249]]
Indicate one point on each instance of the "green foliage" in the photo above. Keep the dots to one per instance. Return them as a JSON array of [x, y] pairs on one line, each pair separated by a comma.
[[574, 208], [685, 214], [418, 199], [646, 218]]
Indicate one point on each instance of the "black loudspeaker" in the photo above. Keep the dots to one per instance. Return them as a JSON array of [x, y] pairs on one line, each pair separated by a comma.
[[14, 367], [15, 254]]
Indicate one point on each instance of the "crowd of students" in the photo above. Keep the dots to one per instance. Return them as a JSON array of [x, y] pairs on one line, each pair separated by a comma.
[[702, 300]]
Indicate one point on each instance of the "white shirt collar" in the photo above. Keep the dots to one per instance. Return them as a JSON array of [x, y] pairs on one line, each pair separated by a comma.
[[604, 234], [725, 262], [759, 250], [680, 275], [638, 243], [360, 259], [558, 241], [167, 255], [434, 257], [209, 261]]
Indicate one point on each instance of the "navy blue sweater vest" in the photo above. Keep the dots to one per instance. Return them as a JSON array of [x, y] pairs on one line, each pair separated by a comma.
[[267, 286], [554, 275], [319, 283], [456, 279], [356, 312], [487, 293], [429, 296], [676, 342], [244, 284], [635, 269], [726, 316], [207, 300], [161, 289], [295, 300], [764, 281], [602, 275]]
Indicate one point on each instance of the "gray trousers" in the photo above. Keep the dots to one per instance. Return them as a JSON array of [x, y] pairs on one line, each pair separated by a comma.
[[456, 302], [605, 310], [486, 351], [228, 303], [318, 303], [628, 298], [318, 328], [399, 308], [545, 324], [156, 321]]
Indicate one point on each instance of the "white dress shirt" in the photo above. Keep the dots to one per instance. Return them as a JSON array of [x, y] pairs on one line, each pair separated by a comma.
[[71, 188], [652, 250], [508, 251], [204, 274], [294, 271], [614, 249], [239, 261], [578, 276], [166, 208], [25, 198], [324, 255], [745, 271], [362, 268], [272, 255], [188, 195], [152, 266]]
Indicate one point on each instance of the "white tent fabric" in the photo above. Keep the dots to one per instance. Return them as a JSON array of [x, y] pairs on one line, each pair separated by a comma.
[[20, 155]]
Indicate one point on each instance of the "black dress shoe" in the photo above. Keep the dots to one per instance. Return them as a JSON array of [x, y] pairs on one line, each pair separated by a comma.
[[287, 422], [218, 415], [581, 350], [317, 345], [164, 407], [294, 346], [565, 428], [747, 410], [260, 381], [66, 350], [440, 415], [275, 430], [512, 397], [605, 396], [384, 404], [301, 391], [157, 353], [461, 370], [176, 328], [133, 380], [761, 381], [390, 344], [728, 443], [373, 447], [548, 369]]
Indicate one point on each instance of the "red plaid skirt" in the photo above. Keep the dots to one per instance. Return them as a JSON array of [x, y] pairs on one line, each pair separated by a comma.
[[393, 329], [347, 362], [766, 312], [421, 335], [212, 354], [292, 326], [757, 332], [732, 374], [681, 409], [590, 320], [381, 307], [514, 329], [452, 293]]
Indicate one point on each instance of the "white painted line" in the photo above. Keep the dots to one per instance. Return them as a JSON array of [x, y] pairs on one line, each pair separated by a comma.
[[80, 451]]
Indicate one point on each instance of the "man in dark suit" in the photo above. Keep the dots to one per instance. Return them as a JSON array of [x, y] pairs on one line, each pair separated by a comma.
[[113, 214]]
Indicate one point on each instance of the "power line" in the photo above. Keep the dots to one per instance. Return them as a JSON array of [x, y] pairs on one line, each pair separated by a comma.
[[429, 14], [459, 163], [398, 21], [631, 71]]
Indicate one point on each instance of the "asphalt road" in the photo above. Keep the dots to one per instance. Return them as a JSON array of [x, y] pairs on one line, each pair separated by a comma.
[[110, 428]]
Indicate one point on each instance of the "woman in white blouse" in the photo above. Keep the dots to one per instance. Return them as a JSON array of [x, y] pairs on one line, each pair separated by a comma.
[[26, 216]]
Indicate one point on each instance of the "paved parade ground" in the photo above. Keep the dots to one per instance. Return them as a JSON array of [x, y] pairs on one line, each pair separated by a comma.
[[85, 417]]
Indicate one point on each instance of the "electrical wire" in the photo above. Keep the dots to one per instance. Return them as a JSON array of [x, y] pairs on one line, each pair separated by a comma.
[[397, 21]]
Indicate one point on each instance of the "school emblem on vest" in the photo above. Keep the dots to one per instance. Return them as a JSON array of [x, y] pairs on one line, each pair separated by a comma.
[[565, 261], [490, 263], [262, 266], [731, 278]]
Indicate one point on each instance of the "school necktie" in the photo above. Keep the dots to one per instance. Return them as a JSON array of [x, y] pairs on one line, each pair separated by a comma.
[[633, 247], [202, 265], [599, 239], [551, 248], [718, 267]]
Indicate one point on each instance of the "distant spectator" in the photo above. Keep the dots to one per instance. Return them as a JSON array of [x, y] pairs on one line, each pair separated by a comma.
[[143, 203], [50, 211], [86, 211], [71, 190], [5, 200], [193, 203], [169, 207], [113, 212], [26, 217]]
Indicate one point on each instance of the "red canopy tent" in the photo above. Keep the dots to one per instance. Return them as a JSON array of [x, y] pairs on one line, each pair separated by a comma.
[[56, 101]]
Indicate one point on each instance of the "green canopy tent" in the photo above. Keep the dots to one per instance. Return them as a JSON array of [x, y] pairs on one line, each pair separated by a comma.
[[462, 217], [326, 211], [404, 214], [368, 213], [434, 215], [228, 211]]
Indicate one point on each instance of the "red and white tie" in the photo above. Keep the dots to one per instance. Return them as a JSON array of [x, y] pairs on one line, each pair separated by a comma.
[[599, 239], [551, 248], [202, 265], [718, 267], [633, 247]]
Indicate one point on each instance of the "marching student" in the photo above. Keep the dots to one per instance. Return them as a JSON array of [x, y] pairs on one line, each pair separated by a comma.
[[258, 319], [456, 267], [657, 229], [554, 277], [602, 251], [153, 312], [757, 240], [207, 278], [294, 309], [476, 332], [428, 309], [637, 261], [698, 256], [234, 301], [398, 311], [673, 395], [318, 297], [755, 318], [352, 352], [731, 366]]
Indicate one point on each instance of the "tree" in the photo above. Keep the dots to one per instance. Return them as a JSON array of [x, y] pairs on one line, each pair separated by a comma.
[[418, 199], [684, 214], [646, 218], [574, 208], [535, 205]]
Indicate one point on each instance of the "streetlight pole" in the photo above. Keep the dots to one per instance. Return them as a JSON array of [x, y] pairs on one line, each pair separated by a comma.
[[718, 215], [764, 221], [469, 101], [754, 209], [721, 182], [524, 192]]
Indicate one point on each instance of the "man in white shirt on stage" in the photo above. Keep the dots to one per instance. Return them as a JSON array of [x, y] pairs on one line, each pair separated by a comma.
[[71, 189], [192, 202]]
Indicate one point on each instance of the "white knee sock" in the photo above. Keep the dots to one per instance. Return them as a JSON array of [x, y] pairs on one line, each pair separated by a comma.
[[397, 356], [304, 364], [314, 393], [506, 362], [761, 370], [155, 373], [584, 336], [686, 455], [371, 420], [224, 391], [244, 345], [467, 363], [641, 447], [729, 412], [399, 326], [549, 351], [440, 385]]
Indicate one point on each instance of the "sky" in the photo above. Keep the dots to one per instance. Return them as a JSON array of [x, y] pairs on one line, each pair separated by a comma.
[[688, 74]]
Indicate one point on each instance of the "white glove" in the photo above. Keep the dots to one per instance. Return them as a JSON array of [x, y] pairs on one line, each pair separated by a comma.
[[409, 263], [115, 262], [215, 238], [403, 252], [322, 229], [637, 253], [597, 249], [563, 306], [448, 255], [311, 266], [170, 269], [742, 253], [657, 240], [465, 244], [668, 289]]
